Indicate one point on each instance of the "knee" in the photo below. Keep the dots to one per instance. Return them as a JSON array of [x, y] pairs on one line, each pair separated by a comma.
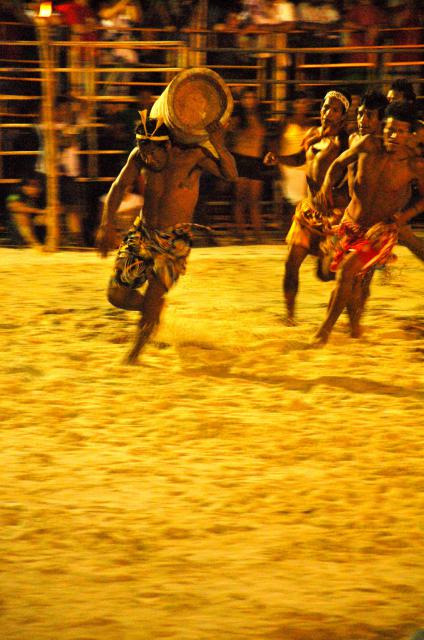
[[117, 295], [323, 270]]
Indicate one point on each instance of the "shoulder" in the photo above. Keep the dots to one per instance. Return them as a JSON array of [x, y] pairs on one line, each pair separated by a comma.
[[365, 144], [134, 154], [134, 159], [311, 135], [353, 139]]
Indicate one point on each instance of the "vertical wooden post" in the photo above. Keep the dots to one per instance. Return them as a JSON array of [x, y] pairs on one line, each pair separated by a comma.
[[199, 21], [48, 134], [282, 62]]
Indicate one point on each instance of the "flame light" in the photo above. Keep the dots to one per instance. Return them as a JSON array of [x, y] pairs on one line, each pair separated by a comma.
[[45, 10]]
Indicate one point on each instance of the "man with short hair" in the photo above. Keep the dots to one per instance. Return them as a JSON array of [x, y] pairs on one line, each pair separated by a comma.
[[157, 246], [369, 228], [313, 219], [401, 90]]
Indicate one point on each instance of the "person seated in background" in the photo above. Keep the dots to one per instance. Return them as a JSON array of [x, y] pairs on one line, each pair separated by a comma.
[[25, 206], [68, 165], [27, 223]]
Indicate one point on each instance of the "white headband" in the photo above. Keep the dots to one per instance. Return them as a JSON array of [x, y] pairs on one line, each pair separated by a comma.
[[338, 96], [147, 135]]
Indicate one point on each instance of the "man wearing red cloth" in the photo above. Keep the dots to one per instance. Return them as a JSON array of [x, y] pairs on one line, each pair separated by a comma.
[[379, 206]]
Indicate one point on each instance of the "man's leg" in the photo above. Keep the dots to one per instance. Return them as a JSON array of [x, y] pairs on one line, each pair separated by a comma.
[[26, 230], [241, 195], [152, 305], [297, 255], [124, 297], [255, 204], [356, 305], [341, 297]]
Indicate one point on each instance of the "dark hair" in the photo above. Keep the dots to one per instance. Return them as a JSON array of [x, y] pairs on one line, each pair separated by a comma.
[[376, 101], [402, 111], [35, 176], [404, 86], [241, 112]]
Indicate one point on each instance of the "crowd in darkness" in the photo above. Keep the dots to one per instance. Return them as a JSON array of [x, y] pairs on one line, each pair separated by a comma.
[[237, 25]]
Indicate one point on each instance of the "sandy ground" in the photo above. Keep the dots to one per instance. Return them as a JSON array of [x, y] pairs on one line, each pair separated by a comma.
[[236, 484]]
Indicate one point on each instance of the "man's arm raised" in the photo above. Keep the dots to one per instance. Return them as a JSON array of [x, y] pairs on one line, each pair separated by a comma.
[[106, 237]]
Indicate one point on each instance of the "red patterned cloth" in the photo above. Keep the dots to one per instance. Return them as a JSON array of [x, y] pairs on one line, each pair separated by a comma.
[[374, 246]]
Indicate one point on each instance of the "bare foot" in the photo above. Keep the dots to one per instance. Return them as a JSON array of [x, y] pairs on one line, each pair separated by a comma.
[[356, 332], [290, 321], [320, 339], [131, 359]]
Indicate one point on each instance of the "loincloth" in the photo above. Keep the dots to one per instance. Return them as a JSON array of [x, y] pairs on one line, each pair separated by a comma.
[[373, 246], [310, 227], [146, 253]]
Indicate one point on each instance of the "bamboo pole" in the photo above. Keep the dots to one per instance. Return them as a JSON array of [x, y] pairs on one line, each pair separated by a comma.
[[49, 136]]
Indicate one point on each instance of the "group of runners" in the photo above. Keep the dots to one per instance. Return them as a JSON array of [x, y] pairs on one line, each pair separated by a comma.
[[362, 192]]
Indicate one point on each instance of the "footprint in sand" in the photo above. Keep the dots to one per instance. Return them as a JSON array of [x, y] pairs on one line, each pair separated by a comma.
[[204, 358]]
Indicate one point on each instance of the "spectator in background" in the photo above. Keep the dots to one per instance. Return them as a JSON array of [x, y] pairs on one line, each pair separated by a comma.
[[119, 17], [247, 142], [365, 19], [291, 135], [269, 12], [117, 134], [317, 13], [79, 17], [25, 206], [227, 36], [27, 215], [81, 22], [318, 18], [68, 166], [406, 18], [263, 14]]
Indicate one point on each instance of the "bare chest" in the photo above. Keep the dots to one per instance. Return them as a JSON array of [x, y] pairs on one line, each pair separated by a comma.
[[319, 157]]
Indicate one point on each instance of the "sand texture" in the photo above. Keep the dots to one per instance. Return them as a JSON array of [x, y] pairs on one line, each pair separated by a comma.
[[237, 484]]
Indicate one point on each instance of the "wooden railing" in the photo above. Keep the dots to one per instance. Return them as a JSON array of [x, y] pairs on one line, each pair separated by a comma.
[[274, 63]]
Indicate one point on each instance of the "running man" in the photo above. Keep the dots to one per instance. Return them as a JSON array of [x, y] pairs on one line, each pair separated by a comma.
[[313, 219], [157, 246], [378, 208]]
